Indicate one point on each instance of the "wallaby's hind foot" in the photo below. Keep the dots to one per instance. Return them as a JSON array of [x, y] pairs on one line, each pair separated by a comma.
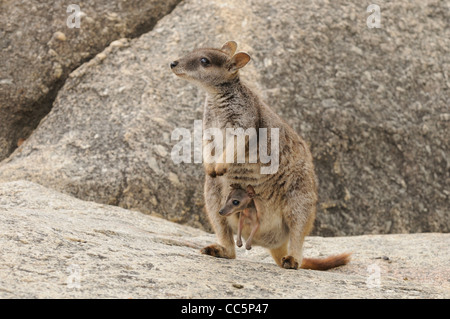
[[216, 250], [289, 262]]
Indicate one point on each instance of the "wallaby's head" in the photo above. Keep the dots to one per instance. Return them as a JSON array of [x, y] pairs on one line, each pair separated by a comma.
[[237, 200], [211, 67]]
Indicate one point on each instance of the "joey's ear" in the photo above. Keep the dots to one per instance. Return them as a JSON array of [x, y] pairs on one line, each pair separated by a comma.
[[250, 191], [239, 60], [229, 48]]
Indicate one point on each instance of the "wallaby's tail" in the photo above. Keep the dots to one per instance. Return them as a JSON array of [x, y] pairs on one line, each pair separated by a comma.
[[325, 263]]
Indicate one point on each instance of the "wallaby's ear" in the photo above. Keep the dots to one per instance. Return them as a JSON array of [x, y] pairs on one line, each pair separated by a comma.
[[239, 60], [250, 191], [229, 48]]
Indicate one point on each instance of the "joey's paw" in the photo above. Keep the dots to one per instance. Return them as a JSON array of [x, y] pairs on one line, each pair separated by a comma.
[[239, 243], [289, 262], [215, 250]]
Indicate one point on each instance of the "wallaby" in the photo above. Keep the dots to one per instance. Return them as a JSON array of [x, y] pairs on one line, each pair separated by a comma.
[[289, 194], [243, 202]]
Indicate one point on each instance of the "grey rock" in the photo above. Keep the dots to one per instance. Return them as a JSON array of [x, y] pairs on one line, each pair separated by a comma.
[[55, 246], [373, 104], [40, 46]]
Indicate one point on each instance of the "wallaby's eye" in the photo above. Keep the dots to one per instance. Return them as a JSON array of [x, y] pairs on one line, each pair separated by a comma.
[[205, 61], [235, 202]]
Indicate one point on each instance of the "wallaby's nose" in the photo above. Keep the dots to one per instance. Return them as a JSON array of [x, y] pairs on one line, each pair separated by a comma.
[[221, 212], [173, 64]]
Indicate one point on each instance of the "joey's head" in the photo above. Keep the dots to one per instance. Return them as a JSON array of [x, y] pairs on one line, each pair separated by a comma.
[[237, 200], [211, 68]]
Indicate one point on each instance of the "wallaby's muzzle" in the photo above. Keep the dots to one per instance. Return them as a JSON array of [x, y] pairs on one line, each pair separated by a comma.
[[225, 212]]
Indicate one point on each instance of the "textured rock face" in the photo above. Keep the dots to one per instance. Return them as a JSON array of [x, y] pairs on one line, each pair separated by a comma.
[[373, 104], [55, 246], [40, 46]]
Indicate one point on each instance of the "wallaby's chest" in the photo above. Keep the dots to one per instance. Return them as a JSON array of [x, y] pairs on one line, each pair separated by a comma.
[[237, 114]]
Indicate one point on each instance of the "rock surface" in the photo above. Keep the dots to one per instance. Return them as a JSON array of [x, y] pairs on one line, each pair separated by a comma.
[[40, 46], [56, 246], [373, 103]]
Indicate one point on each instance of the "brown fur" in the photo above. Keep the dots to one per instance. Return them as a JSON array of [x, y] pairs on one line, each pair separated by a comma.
[[326, 263], [243, 202], [289, 195]]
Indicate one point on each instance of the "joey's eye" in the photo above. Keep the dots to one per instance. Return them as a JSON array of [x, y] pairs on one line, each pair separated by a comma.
[[205, 61], [235, 202]]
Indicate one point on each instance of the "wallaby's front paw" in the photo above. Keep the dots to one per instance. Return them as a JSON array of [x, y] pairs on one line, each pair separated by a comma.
[[220, 169], [215, 250], [239, 243], [289, 262], [209, 169], [212, 174]]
